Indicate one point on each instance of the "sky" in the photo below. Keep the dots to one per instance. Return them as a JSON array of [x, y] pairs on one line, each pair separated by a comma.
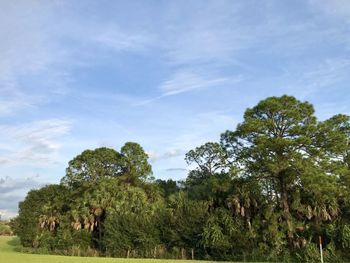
[[170, 75]]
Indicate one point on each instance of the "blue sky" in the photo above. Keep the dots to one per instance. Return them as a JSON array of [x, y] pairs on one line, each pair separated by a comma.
[[169, 75]]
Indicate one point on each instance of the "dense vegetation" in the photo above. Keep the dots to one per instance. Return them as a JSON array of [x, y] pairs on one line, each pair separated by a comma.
[[5, 229], [268, 191]]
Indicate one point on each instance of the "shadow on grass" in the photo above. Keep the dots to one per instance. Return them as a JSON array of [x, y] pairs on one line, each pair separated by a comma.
[[14, 242]]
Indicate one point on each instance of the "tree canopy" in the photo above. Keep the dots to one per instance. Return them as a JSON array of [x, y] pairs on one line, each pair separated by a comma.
[[268, 190]]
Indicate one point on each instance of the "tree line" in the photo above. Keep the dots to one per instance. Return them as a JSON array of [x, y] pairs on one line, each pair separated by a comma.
[[268, 190]]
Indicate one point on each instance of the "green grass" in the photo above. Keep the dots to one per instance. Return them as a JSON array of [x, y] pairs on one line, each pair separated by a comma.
[[9, 255]]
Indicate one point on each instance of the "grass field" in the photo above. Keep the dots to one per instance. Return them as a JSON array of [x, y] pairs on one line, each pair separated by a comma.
[[8, 255]]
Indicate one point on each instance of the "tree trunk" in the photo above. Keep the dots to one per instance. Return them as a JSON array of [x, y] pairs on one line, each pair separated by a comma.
[[192, 253], [183, 253], [99, 234], [284, 202]]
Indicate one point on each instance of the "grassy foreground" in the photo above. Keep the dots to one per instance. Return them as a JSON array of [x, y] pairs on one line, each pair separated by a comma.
[[8, 255]]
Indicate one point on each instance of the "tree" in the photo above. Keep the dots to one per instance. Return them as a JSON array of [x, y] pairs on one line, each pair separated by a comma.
[[41, 211], [281, 144], [135, 163], [130, 165], [212, 177], [168, 187], [91, 165], [132, 224], [183, 222], [266, 192], [210, 158]]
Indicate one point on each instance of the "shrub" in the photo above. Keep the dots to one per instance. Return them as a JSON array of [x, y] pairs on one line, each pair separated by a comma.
[[5, 229]]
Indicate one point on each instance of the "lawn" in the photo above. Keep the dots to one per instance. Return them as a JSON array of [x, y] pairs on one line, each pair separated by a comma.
[[8, 255]]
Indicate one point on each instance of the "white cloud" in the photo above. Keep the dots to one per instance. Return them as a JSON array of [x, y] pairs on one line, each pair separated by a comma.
[[310, 78], [37, 46], [28, 48], [155, 156], [13, 101], [184, 81], [176, 169], [37, 142], [7, 214]]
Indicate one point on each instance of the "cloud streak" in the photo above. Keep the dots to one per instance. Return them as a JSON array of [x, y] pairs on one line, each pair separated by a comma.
[[37, 142], [154, 156], [176, 170], [185, 81]]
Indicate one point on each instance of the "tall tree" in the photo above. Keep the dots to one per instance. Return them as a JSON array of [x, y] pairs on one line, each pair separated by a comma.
[[281, 144], [135, 163], [91, 165]]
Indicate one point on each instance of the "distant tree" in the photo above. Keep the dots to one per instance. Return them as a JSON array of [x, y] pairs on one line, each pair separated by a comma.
[[210, 158], [168, 187], [212, 176]]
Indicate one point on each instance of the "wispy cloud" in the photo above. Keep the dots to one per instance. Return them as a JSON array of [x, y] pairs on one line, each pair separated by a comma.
[[37, 142], [176, 170], [12, 101], [310, 79], [44, 52], [28, 50], [185, 81], [201, 63], [155, 156]]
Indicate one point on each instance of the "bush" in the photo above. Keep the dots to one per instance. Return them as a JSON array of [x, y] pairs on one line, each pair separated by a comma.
[[5, 229]]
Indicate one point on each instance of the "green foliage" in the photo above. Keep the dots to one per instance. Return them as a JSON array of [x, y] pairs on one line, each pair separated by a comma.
[[135, 163], [267, 191], [130, 164], [40, 211], [167, 187], [131, 231], [5, 229], [91, 165], [186, 219]]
